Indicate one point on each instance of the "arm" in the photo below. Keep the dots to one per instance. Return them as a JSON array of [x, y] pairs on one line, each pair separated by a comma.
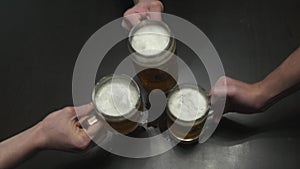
[[143, 9], [250, 98], [59, 130], [20, 147], [282, 80]]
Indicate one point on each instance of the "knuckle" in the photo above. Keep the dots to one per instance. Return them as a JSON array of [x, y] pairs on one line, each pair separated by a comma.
[[69, 109], [128, 12], [156, 4], [232, 90], [212, 91], [223, 80]]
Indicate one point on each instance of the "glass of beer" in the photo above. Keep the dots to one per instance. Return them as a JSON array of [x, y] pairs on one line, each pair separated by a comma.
[[117, 100], [187, 110], [153, 48]]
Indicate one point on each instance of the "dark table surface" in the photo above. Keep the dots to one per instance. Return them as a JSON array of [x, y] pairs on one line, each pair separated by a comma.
[[41, 39]]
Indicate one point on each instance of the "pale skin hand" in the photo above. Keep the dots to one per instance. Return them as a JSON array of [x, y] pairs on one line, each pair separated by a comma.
[[252, 98], [143, 9], [60, 131]]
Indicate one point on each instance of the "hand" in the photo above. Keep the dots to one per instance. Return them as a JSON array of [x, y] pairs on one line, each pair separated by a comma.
[[240, 97], [144, 9], [61, 130]]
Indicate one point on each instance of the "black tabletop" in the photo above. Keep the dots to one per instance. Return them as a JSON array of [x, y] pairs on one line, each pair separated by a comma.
[[41, 39]]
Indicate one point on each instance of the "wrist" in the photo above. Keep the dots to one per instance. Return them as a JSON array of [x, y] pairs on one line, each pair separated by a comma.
[[263, 96], [39, 137]]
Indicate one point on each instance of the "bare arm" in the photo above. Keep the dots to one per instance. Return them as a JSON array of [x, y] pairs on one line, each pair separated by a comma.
[[282, 80], [60, 131], [20, 147]]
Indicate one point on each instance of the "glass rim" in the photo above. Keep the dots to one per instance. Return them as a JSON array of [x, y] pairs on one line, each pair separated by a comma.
[[146, 22], [107, 79], [192, 86]]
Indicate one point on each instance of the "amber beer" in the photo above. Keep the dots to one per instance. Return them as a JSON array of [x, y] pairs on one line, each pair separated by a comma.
[[117, 99], [153, 49], [187, 110]]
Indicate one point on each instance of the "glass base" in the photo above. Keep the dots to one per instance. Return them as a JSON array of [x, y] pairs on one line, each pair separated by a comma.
[[183, 140]]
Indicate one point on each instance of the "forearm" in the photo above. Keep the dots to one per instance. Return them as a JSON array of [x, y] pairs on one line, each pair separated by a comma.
[[282, 80], [15, 150]]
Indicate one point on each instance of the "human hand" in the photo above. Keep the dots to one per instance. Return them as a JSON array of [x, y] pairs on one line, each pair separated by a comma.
[[61, 131], [240, 97], [144, 9]]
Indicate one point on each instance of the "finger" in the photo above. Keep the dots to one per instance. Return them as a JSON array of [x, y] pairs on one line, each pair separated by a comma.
[[218, 96], [133, 19], [88, 148], [221, 83], [210, 92], [86, 144], [96, 130], [155, 10], [88, 121], [84, 109], [83, 119], [220, 91], [99, 138], [157, 6], [125, 25], [154, 16]]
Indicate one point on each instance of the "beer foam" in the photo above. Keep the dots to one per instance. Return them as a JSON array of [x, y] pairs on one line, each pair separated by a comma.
[[187, 104], [117, 97], [150, 40]]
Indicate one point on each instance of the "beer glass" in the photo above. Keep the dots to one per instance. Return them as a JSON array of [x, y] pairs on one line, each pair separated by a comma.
[[187, 110], [117, 100], [153, 48]]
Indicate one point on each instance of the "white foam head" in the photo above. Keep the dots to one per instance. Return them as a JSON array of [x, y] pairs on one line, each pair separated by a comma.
[[187, 104], [117, 97], [150, 40]]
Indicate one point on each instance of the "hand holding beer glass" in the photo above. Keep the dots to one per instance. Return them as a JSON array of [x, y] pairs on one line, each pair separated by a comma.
[[117, 100]]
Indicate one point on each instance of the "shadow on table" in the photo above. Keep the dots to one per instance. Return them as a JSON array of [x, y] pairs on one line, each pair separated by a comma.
[[231, 133], [228, 133], [100, 158], [97, 158]]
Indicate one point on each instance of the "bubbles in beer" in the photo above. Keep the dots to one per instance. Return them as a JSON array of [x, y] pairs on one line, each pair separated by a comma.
[[187, 104], [150, 40], [117, 97]]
